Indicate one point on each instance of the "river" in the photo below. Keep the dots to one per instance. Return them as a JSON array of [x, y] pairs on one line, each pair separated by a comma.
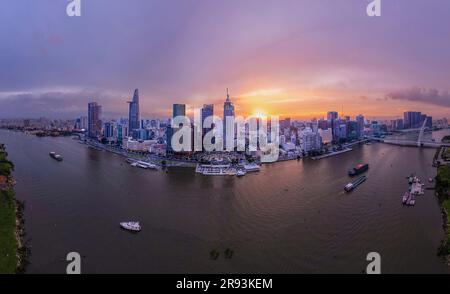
[[291, 217]]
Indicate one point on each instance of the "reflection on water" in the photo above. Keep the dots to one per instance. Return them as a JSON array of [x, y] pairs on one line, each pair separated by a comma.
[[291, 217]]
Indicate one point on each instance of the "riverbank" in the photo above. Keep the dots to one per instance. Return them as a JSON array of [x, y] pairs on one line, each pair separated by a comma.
[[13, 252], [443, 193]]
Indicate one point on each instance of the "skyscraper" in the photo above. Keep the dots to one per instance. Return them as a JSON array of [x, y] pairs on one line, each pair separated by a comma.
[[332, 115], [94, 120], [412, 119], [207, 110], [228, 111], [133, 114], [179, 110], [360, 128]]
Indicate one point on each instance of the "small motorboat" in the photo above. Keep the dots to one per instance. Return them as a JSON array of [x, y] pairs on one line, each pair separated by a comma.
[[241, 173], [131, 226]]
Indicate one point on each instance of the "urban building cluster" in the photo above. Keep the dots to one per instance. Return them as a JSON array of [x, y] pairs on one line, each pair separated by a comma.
[[297, 138]]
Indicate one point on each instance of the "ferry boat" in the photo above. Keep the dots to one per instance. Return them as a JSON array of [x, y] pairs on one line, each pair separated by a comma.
[[55, 156], [359, 169], [131, 226], [251, 167], [350, 186]]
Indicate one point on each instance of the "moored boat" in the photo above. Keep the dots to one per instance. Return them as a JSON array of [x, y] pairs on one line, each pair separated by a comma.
[[251, 167], [145, 165], [405, 197], [241, 173]]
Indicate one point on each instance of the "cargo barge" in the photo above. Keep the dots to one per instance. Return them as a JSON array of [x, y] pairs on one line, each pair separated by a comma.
[[350, 186], [359, 169]]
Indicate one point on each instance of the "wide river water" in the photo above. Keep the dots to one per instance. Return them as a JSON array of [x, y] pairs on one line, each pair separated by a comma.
[[291, 217]]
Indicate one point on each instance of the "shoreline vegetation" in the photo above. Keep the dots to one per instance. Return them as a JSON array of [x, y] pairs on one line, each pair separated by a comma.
[[14, 251], [443, 194], [39, 132]]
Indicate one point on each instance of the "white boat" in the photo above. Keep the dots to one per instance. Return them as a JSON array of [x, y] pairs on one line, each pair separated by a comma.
[[241, 173], [145, 165], [131, 226], [348, 187], [251, 167]]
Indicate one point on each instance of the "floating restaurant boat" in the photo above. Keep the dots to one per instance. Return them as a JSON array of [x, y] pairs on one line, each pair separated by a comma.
[[131, 226], [350, 186], [359, 169], [215, 170], [55, 156]]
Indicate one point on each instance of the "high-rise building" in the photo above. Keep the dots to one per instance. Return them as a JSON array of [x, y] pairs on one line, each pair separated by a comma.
[[207, 110], [352, 130], [332, 115], [360, 128], [109, 131], [412, 119], [285, 123], [94, 120], [133, 114], [310, 140], [228, 111], [429, 123], [179, 110]]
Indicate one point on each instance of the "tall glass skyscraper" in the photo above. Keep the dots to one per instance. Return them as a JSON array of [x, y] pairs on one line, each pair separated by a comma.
[[228, 110], [133, 114], [360, 129], [207, 110], [179, 110], [94, 120]]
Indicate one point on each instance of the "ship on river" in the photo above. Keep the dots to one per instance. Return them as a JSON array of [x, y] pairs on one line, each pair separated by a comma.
[[55, 156], [350, 186], [359, 169]]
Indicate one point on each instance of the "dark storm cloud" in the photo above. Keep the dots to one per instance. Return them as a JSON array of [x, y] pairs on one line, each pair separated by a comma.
[[429, 96]]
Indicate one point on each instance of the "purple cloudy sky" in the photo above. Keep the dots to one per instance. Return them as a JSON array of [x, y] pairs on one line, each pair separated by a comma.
[[295, 58]]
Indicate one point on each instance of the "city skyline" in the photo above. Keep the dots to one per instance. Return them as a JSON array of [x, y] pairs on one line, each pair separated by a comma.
[[292, 59]]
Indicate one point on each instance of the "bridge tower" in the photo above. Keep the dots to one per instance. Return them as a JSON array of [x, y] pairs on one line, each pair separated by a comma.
[[422, 130]]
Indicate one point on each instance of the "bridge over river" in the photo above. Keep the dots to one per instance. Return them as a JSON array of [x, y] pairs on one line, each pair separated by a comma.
[[419, 142]]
